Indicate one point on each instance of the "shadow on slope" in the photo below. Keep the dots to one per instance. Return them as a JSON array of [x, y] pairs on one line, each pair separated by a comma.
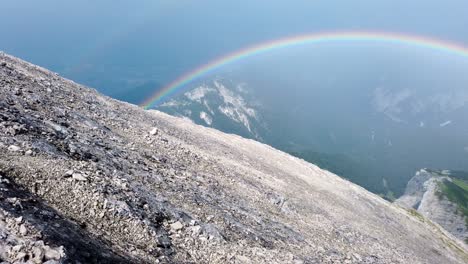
[[56, 230]]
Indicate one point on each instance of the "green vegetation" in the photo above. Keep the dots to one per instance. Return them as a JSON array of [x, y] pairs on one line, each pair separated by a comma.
[[435, 172], [462, 175], [457, 192], [389, 196], [417, 215]]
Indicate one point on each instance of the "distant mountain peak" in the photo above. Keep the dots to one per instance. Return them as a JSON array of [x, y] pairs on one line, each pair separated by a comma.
[[221, 104], [441, 196], [199, 93]]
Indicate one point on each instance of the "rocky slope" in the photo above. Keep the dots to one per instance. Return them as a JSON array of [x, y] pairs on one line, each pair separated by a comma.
[[425, 193], [91, 179]]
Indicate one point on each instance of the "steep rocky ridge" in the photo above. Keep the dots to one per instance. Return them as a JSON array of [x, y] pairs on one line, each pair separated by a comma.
[[97, 180], [425, 194]]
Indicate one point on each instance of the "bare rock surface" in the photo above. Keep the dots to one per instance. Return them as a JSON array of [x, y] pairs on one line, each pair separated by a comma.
[[96, 180], [423, 194]]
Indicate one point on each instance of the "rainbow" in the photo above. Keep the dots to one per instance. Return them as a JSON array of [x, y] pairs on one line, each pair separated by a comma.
[[393, 38]]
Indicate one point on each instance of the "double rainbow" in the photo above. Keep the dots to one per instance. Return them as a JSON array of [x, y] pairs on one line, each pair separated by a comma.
[[347, 36]]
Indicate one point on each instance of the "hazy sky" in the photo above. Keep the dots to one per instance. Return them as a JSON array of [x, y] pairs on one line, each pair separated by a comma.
[[160, 39]]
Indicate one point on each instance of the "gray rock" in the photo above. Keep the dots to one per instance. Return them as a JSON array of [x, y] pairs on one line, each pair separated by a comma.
[[14, 148], [69, 173], [56, 127], [52, 254], [52, 262], [211, 232], [23, 231], [79, 177], [177, 226], [164, 241], [243, 259], [20, 256], [153, 131]]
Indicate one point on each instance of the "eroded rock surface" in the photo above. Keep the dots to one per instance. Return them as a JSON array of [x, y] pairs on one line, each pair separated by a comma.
[[98, 180], [424, 195]]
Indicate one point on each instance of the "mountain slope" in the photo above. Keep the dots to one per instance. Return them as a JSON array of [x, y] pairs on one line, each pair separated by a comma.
[[104, 181], [440, 196]]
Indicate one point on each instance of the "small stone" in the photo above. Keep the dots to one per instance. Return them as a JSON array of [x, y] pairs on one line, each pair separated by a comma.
[[196, 230], [69, 173], [53, 262], [38, 254], [14, 148], [57, 128], [19, 219], [12, 200], [79, 177], [3, 180], [243, 259], [23, 231], [21, 256], [29, 152], [164, 241], [17, 248], [17, 92], [39, 243], [49, 90], [154, 131], [3, 64], [177, 226], [18, 128], [52, 254], [357, 256], [212, 232]]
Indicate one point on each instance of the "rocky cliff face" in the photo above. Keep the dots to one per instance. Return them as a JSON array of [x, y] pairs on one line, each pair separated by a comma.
[[91, 179], [426, 195]]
